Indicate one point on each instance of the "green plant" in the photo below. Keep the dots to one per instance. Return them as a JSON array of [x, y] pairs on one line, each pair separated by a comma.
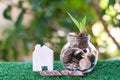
[[80, 25]]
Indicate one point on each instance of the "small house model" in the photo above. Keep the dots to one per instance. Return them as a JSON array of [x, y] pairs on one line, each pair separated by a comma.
[[42, 57]]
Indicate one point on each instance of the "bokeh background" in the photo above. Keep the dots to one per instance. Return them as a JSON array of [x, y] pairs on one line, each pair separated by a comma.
[[24, 23]]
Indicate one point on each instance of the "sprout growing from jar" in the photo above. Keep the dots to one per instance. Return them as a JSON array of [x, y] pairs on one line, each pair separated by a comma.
[[80, 25]]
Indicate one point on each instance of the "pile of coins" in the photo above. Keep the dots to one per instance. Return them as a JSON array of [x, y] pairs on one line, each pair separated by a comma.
[[75, 59]]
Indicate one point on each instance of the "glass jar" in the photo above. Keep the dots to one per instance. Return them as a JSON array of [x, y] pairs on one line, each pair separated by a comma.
[[78, 53]]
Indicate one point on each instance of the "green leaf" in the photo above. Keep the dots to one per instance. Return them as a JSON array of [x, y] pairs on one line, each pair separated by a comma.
[[104, 3], [83, 23], [7, 42], [6, 13], [74, 20], [19, 19], [20, 3], [15, 53]]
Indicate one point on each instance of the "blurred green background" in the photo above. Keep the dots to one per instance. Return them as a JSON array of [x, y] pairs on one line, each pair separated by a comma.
[[24, 23]]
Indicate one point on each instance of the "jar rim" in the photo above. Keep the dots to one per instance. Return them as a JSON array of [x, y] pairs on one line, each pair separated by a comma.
[[75, 35]]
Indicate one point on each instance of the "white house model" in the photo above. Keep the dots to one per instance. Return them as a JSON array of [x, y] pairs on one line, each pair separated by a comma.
[[42, 56]]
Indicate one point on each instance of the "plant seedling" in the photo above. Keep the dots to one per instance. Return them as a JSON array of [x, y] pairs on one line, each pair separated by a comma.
[[80, 25]]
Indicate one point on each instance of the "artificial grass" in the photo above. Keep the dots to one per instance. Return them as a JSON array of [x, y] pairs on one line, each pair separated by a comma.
[[104, 70]]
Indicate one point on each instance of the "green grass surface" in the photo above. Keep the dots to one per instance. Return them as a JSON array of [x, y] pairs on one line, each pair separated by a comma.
[[105, 70]]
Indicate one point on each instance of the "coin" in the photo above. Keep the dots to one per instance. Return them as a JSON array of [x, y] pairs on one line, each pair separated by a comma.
[[84, 63]]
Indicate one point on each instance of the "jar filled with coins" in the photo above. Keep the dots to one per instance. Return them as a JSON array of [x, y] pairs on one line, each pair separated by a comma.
[[78, 54]]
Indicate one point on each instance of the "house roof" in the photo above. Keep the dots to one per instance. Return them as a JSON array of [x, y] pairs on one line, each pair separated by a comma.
[[46, 48]]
